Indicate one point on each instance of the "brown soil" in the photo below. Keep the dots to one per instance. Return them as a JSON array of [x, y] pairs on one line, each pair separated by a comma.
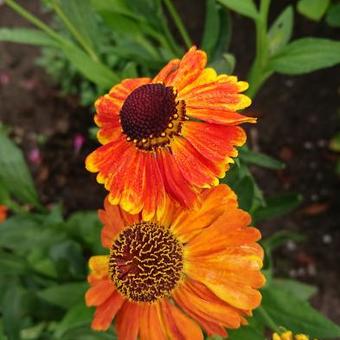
[[297, 118]]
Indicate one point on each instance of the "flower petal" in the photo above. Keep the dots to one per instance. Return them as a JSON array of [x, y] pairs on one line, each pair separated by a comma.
[[105, 313], [179, 326], [99, 293], [151, 324], [167, 72], [128, 320]]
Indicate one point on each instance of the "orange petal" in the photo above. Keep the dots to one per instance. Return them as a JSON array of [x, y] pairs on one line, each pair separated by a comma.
[[176, 185], [179, 326], [154, 195], [222, 142], [151, 325], [128, 320], [167, 72], [195, 167], [238, 294], [214, 202], [190, 67], [99, 293], [105, 313], [207, 309]]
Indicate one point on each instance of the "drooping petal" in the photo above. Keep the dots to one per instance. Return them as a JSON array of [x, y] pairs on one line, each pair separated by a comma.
[[98, 266]]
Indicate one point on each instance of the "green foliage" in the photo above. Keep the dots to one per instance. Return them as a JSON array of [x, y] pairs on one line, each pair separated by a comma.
[[14, 173], [313, 9], [306, 55], [333, 15], [281, 31], [245, 7]]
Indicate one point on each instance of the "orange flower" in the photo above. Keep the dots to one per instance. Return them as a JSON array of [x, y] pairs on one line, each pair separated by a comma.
[[173, 275], [3, 213], [168, 136]]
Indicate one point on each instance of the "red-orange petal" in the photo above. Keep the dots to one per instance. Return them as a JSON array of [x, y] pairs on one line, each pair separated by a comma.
[[178, 325], [168, 71], [151, 324], [128, 321], [189, 69], [99, 292], [105, 313]]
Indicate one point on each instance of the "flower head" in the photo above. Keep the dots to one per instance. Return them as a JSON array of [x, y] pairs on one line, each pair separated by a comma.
[[288, 335], [176, 274], [168, 137], [3, 213]]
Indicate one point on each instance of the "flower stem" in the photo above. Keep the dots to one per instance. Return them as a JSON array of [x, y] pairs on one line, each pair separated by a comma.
[[74, 31], [178, 22], [267, 318], [258, 73]]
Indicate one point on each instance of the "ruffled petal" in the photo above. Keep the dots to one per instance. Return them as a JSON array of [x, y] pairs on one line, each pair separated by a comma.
[[178, 325], [128, 321], [105, 313]]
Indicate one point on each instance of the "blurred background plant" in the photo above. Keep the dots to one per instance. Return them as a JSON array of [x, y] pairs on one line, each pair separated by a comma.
[[87, 47]]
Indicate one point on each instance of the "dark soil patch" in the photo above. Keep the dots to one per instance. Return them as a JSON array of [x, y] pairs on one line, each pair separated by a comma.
[[297, 118]]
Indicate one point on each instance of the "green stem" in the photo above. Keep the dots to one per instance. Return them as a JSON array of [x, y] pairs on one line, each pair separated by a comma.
[[258, 73], [74, 31], [178, 22], [35, 21], [268, 320]]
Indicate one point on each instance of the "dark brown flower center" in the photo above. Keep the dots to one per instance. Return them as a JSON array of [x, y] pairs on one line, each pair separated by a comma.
[[151, 115], [146, 262]]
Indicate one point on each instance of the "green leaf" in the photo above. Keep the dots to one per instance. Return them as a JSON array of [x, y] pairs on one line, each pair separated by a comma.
[[12, 264], [260, 159], [85, 333], [300, 290], [297, 315], [334, 144], [82, 16], [278, 206], [245, 192], [254, 330], [244, 7], [14, 172], [94, 71], [313, 9], [22, 232], [333, 15], [13, 311], [306, 55], [224, 65], [66, 295], [27, 36], [279, 238], [281, 31], [77, 316], [211, 27]]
